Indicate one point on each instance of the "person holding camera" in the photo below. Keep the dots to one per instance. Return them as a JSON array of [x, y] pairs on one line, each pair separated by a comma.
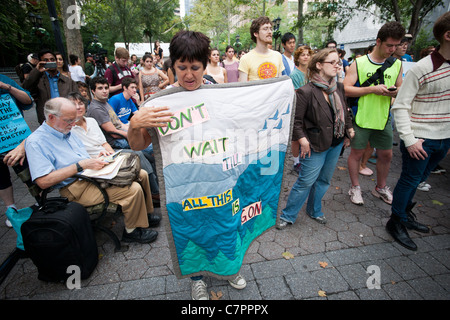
[[46, 82]]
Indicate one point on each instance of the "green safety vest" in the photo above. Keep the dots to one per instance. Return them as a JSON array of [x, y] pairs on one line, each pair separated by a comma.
[[373, 110]]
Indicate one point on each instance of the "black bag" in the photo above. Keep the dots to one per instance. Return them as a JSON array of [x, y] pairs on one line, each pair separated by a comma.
[[57, 235]]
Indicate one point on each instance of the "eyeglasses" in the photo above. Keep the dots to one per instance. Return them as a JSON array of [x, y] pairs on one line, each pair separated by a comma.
[[68, 121], [334, 63]]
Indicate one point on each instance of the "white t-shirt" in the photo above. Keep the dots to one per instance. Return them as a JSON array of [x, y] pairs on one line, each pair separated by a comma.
[[77, 73], [93, 138], [290, 62]]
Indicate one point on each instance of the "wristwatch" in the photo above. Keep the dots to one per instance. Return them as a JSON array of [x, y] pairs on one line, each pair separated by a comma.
[[79, 168]]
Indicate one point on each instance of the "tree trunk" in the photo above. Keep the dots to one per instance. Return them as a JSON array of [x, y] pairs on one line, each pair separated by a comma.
[[414, 24], [299, 19], [72, 26]]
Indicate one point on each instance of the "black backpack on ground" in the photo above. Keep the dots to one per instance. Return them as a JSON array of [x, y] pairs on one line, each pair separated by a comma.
[[59, 234]]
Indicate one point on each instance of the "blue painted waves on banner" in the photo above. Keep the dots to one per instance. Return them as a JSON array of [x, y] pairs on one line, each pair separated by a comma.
[[202, 237]]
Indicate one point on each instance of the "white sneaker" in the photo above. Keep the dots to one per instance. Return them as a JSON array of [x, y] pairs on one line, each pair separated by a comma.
[[383, 193], [238, 282], [355, 195], [423, 186], [199, 291], [8, 223]]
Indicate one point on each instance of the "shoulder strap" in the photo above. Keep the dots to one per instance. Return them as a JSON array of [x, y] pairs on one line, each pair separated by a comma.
[[378, 75]]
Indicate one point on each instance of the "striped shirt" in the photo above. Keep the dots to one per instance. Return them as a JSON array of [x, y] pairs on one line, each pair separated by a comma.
[[422, 106]]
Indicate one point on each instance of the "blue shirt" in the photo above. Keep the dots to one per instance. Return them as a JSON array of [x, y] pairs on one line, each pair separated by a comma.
[[407, 57], [122, 107], [54, 91], [49, 150]]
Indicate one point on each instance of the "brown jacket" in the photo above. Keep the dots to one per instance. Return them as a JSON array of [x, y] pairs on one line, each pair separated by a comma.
[[38, 85], [313, 117]]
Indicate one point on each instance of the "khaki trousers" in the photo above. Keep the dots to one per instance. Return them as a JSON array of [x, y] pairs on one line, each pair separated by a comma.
[[135, 200]]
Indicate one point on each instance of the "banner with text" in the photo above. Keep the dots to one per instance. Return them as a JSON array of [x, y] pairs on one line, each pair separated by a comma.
[[13, 128], [220, 166]]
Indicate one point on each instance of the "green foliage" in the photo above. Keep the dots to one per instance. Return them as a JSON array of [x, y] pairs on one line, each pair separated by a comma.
[[129, 21]]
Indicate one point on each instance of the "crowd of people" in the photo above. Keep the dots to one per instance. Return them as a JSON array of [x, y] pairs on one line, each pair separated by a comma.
[[84, 116]]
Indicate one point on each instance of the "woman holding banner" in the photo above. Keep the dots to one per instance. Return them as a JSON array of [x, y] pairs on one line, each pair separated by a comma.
[[322, 125], [13, 100], [189, 52]]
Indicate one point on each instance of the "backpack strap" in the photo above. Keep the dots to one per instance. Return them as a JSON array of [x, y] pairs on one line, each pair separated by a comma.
[[378, 75]]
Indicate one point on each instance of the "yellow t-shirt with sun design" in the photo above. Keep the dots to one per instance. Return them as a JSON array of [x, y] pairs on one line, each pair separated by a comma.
[[261, 66]]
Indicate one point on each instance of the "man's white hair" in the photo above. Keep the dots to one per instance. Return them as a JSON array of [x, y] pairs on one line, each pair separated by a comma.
[[53, 106]]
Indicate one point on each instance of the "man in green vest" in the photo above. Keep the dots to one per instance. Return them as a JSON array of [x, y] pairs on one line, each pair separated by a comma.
[[371, 108]]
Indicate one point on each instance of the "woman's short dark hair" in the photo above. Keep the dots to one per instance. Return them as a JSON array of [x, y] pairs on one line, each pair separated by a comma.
[[190, 46], [75, 96]]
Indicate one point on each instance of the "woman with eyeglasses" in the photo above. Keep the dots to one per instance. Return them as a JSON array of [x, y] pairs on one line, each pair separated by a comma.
[[322, 126], [231, 64]]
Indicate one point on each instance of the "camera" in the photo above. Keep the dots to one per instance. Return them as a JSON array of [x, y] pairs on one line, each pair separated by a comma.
[[50, 65], [392, 89]]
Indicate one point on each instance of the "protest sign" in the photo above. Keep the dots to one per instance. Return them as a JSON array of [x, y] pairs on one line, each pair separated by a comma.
[[13, 128], [220, 166]]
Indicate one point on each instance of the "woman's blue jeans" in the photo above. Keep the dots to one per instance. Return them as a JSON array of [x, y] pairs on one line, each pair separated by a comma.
[[312, 183], [414, 172]]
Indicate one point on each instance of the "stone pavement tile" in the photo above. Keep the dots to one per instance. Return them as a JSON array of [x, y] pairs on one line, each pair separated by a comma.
[[309, 262], [250, 292], [443, 280], [387, 273], [439, 242], [137, 289], [429, 289], [56, 295], [330, 280], [274, 288], [101, 292], [272, 268], [405, 267], [173, 284], [401, 291], [302, 285], [348, 295], [372, 294], [443, 256], [380, 251], [428, 263], [347, 256], [355, 275]]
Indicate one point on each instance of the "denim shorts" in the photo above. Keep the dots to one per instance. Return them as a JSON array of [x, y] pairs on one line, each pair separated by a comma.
[[379, 139]]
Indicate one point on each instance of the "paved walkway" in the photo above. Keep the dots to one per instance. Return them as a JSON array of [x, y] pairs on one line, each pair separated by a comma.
[[328, 261]]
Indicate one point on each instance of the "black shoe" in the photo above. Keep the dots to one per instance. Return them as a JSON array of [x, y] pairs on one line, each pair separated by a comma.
[[141, 235], [398, 231], [411, 223], [153, 220]]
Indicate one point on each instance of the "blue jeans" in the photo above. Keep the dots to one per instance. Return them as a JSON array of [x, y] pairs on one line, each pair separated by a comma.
[[414, 172], [312, 183]]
